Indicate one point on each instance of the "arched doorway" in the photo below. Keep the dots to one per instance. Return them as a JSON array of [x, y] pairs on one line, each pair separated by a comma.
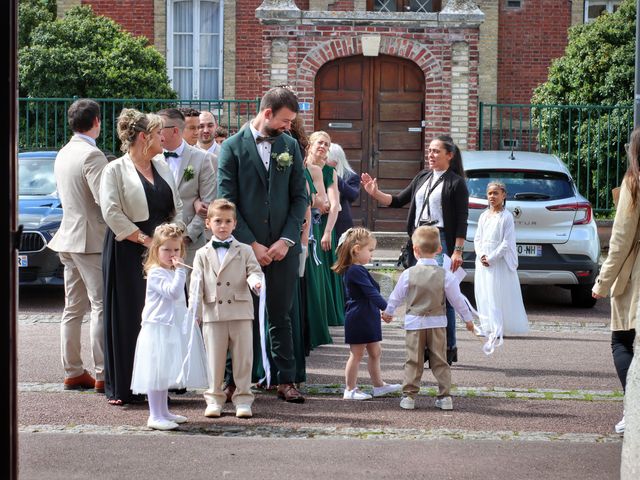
[[374, 108]]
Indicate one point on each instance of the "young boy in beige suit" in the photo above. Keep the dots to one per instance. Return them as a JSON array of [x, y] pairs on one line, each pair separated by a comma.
[[228, 270]]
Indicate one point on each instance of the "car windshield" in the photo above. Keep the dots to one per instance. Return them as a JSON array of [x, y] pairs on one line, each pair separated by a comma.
[[35, 176], [521, 185]]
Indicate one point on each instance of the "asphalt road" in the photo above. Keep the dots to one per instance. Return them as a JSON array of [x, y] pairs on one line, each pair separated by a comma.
[[542, 406]]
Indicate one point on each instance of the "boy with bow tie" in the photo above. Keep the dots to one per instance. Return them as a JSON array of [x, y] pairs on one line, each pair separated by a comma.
[[227, 270]]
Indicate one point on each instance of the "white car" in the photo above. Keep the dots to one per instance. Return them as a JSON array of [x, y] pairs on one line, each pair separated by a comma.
[[556, 234]]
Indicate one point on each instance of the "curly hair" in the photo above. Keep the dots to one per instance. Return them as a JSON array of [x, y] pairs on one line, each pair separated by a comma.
[[162, 233], [131, 122]]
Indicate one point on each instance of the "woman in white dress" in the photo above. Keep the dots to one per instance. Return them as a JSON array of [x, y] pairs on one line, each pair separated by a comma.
[[497, 288]]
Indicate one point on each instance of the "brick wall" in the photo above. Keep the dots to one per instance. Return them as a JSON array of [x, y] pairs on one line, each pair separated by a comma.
[[135, 16], [250, 70], [312, 46], [529, 39]]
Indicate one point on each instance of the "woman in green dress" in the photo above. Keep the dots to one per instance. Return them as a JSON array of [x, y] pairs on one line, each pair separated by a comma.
[[314, 280], [319, 143]]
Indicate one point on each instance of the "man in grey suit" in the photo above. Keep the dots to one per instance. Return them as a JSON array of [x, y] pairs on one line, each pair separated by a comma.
[[78, 241], [195, 176]]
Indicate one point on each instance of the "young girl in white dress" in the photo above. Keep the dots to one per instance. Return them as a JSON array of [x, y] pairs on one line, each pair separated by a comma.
[[497, 288], [161, 359]]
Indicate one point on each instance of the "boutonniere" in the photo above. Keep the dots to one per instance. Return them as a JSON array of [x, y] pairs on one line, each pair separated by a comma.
[[189, 173], [283, 160]]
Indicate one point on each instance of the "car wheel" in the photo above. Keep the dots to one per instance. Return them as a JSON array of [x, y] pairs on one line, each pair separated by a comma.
[[581, 296]]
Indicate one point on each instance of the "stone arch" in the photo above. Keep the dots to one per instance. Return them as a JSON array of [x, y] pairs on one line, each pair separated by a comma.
[[333, 49]]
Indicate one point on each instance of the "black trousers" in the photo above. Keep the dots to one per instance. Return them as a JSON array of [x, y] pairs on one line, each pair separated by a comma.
[[622, 350]]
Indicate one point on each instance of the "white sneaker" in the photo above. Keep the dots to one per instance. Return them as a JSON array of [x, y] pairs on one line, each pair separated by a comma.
[[444, 403], [620, 426], [386, 388], [243, 411], [161, 424], [355, 394], [213, 410], [407, 403], [176, 418]]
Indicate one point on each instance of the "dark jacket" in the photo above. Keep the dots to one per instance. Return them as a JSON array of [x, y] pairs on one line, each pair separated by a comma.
[[455, 205], [349, 188]]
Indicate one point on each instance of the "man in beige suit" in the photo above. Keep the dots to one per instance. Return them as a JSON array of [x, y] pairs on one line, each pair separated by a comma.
[[195, 176], [206, 135], [78, 168]]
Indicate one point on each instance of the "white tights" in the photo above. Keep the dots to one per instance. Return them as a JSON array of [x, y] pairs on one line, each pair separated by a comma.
[[159, 405]]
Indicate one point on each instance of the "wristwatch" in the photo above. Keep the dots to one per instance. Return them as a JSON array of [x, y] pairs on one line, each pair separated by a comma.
[[289, 243], [458, 248], [142, 237]]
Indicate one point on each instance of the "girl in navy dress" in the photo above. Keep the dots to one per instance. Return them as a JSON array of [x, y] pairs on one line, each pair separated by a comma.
[[362, 326]]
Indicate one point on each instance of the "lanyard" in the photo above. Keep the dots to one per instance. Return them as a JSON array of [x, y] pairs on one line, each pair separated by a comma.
[[428, 191]]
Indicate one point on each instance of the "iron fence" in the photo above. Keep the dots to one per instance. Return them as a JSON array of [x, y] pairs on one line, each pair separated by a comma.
[[589, 139], [43, 121]]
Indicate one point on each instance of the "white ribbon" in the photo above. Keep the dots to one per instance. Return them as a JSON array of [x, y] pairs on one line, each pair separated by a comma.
[[263, 334], [189, 326]]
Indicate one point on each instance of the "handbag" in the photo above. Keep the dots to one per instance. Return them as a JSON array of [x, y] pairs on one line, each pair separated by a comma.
[[403, 259]]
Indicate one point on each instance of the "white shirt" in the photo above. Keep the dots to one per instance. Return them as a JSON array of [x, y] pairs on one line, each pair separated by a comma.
[[174, 162], [435, 200], [264, 148], [419, 322], [221, 252]]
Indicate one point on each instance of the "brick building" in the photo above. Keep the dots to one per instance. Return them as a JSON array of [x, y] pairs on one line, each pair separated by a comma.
[[381, 76]]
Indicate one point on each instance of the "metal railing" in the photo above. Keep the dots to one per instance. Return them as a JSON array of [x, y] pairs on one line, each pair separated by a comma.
[[589, 139], [43, 121]]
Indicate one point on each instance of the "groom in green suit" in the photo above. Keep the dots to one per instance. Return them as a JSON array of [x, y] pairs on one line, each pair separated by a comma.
[[261, 171]]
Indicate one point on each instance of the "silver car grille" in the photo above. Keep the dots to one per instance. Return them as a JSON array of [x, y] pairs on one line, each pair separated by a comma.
[[32, 242]]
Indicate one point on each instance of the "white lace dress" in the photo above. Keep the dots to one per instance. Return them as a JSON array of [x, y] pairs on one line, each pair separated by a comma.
[[497, 288]]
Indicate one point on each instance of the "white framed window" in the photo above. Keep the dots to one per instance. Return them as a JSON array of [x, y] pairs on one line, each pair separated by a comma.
[[195, 48], [594, 8]]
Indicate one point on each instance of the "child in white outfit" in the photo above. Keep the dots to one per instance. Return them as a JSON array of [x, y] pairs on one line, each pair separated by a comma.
[[229, 270], [160, 355], [424, 288]]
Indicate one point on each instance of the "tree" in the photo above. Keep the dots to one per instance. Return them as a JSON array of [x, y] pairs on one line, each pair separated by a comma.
[[32, 13], [86, 55], [597, 69]]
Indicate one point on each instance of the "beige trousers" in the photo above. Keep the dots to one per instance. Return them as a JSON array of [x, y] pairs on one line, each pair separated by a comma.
[[235, 336], [83, 287], [435, 339]]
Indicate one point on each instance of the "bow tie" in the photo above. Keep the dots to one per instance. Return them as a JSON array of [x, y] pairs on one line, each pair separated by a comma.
[[220, 244], [171, 154], [260, 139]]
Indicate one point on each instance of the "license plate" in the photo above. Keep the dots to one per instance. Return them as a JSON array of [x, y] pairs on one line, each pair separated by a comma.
[[529, 250], [23, 261]]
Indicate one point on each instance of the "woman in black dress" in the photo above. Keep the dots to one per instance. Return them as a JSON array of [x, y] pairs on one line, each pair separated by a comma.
[[436, 196], [137, 193]]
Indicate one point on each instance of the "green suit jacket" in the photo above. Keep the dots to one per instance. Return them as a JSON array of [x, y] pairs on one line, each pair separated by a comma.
[[270, 205]]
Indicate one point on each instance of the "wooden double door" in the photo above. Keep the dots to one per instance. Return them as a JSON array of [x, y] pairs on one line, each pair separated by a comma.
[[374, 108]]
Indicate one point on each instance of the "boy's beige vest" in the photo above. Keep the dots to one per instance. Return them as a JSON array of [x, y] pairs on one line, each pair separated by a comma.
[[425, 294]]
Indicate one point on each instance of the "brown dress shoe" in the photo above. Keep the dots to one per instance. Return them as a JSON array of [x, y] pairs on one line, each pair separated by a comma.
[[81, 382], [289, 393], [229, 390], [99, 386]]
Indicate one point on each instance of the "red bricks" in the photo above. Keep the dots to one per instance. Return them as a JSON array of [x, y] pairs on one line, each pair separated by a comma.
[[135, 16]]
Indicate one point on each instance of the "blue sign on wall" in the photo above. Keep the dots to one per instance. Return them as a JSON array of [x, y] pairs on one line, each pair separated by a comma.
[[303, 106]]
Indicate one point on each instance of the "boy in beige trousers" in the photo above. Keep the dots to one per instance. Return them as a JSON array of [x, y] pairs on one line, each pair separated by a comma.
[[228, 270]]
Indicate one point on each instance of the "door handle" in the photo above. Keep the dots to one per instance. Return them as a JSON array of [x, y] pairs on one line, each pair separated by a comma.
[[374, 159]]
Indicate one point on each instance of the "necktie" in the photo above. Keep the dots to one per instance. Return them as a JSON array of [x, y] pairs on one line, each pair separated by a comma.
[[171, 154], [219, 244], [260, 139]]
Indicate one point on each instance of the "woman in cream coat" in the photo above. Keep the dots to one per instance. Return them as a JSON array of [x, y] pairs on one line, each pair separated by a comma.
[[137, 193], [620, 273]]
